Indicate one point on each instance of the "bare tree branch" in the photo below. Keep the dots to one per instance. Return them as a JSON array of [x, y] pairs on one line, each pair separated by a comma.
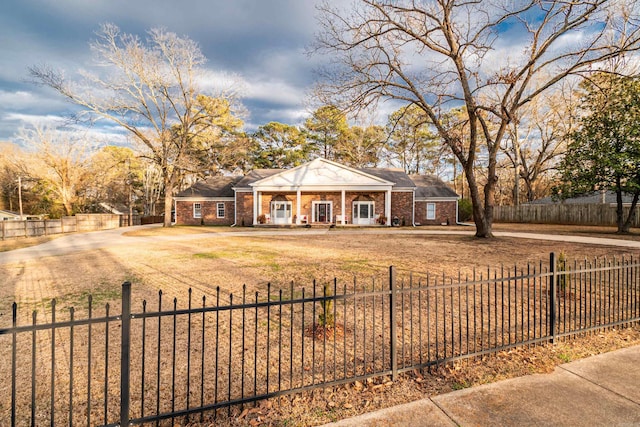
[[493, 57]]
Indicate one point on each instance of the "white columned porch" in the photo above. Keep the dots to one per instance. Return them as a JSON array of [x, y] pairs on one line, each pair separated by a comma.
[[298, 211], [344, 213], [387, 207]]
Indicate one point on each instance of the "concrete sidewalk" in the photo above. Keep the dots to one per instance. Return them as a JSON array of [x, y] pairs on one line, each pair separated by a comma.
[[602, 390]]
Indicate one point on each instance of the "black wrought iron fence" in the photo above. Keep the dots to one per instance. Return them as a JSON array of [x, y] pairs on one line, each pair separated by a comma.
[[197, 362]]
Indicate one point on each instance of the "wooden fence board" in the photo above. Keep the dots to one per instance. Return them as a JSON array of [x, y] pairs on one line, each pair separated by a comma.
[[68, 224], [570, 214]]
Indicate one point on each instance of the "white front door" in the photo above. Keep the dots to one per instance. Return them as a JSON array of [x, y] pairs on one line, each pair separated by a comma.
[[363, 213], [280, 213]]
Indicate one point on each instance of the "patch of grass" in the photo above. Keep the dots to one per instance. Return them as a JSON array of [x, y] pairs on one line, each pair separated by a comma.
[[178, 230], [263, 259], [207, 255], [286, 295], [25, 242], [566, 358], [460, 385], [321, 413], [274, 266], [77, 300], [356, 265]]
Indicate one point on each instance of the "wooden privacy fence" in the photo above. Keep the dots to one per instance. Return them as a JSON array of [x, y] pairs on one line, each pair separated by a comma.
[[68, 224], [559, 213], [204, 359]]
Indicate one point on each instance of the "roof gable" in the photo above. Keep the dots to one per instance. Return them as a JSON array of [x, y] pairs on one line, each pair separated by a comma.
[[321, 173]]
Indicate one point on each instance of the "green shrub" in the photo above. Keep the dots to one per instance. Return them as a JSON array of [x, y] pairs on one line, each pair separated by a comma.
[[465, 210]]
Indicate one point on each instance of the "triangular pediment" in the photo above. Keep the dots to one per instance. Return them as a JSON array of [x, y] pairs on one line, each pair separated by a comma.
[[321, 173]]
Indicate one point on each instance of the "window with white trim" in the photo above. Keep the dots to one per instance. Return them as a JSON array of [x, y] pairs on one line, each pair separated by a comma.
[[197, 210], [431, 211], [220, 210]]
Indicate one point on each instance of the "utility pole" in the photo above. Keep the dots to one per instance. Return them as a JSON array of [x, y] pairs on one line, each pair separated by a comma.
[[20, 195]]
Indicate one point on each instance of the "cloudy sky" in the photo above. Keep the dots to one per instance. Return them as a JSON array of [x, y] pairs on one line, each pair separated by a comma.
[[263, 42]]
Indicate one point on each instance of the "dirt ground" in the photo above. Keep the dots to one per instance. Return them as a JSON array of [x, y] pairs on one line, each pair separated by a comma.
[[231, 262]]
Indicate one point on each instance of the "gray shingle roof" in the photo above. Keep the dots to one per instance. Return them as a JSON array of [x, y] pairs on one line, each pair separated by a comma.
[[397, 176], [431, 186], [215, 186], [256, 175]]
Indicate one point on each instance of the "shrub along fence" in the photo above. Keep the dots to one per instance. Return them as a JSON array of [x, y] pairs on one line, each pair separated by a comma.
[[207, 359]]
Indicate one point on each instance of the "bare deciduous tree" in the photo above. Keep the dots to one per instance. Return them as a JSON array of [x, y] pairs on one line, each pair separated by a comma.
[[492, 57], [150, 88], [60, 163], [536, 142]]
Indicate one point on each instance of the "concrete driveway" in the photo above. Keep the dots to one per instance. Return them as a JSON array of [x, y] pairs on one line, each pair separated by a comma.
[[78, 242]]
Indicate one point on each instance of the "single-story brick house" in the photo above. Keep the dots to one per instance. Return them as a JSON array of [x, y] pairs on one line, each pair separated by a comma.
[[318, 192]]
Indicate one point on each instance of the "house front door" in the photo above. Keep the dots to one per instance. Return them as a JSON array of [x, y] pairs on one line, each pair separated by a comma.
[[280, 213], [322, 212]]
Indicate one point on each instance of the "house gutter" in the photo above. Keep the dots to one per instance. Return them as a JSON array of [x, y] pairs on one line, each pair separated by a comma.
[[413, 209], [175, 209]]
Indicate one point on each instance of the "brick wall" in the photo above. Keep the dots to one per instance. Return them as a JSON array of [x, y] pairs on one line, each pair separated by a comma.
[[244, 206], [445, 211], [402, 207], [209, 210]]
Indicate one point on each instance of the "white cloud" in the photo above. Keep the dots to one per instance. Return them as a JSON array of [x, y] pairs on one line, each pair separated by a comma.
[[255, 49], [275, 92], [18, 99], [35, 119]]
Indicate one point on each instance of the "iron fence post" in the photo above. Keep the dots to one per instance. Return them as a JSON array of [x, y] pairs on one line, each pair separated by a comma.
[[552, 296], [14, 344], [393, 335], [125, 355]]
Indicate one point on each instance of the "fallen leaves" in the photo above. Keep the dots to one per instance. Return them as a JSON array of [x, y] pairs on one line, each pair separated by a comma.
[[329, 333]]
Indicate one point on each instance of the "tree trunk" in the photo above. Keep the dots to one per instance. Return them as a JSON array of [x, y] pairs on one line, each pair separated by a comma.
[[168, 204], [483, 227], [529, 185], [626, 226], [168, 200], [482, 221], [516, 169]]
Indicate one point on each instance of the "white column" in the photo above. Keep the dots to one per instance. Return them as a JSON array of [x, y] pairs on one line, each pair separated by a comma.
[[255, 206], [387, 207], [298, 211], [344, 214]]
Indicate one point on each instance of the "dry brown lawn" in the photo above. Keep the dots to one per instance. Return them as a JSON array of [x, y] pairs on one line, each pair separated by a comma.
[[229, 262]]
